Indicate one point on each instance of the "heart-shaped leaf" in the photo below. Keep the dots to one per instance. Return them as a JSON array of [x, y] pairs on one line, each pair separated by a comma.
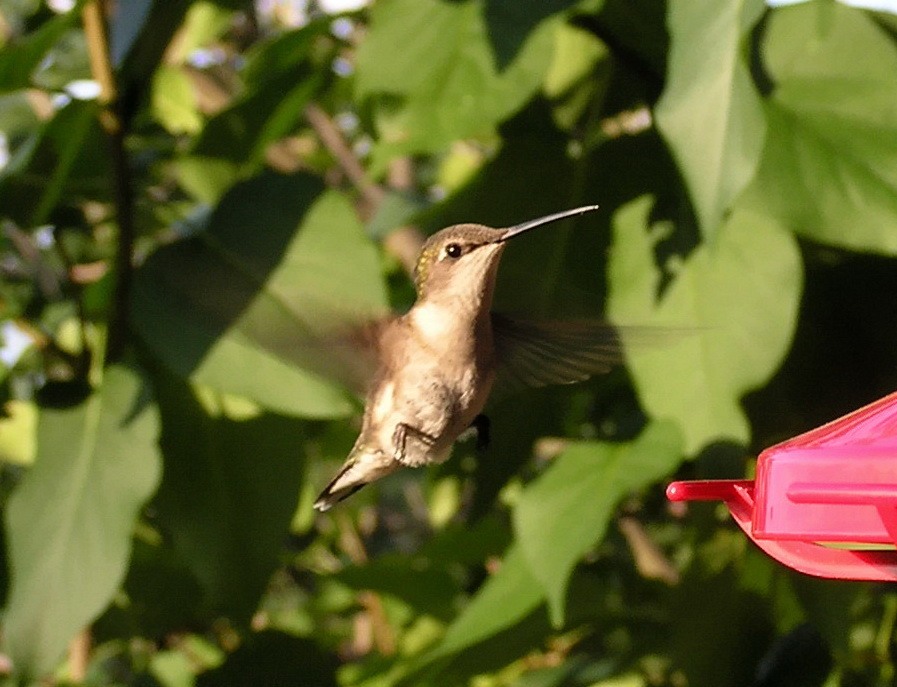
[[735, 304]]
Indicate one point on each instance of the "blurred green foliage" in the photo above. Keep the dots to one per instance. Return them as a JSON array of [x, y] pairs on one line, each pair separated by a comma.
[[177, 241]]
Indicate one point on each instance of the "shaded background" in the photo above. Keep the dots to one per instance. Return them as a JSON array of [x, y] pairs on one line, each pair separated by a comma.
[[199, 199]]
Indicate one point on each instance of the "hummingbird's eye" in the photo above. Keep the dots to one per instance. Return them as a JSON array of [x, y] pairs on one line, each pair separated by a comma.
[[453, 250]]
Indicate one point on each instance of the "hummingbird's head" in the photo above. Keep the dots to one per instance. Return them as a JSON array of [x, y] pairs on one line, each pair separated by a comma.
[[463, 252], [463, 259]]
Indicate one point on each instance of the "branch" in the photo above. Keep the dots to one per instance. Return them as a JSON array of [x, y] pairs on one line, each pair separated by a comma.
[[333, 140], [46, 279], [402, 242], [649, 559], [123, 197]]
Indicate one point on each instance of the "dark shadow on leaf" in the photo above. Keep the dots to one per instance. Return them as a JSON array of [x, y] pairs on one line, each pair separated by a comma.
[[720, 460], [274, 658], [227, 496], [719, 631], [62, 395], [799, 659], [275, 302], [842, 355], [509, 22], [635, 32], [214, 277]]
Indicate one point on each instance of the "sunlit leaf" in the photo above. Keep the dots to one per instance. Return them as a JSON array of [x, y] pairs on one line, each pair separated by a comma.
[[173, 668], [565, 512], [18, 429], [575, 56], [204, 22], [710, 111], [70, 523], [447, 78], [174, 102], [207, 178], [735, 305], [829, 167]]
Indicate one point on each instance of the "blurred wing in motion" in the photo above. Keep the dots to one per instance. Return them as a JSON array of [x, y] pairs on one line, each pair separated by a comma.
[[240, 332], [543, 352]]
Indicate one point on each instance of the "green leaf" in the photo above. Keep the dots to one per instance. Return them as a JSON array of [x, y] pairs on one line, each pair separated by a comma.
[[242, 132], [228, 494], [395, 210], [576, 54], [61, 158], [249, 306], [173, 668], [71, 520], [21, 57], [18, 431], [206, 178], [732, 306], [280, 82], [67, 61], [720, 631], [162, 594], [506, 598], [204, 22], [511, 21], [710, 112], [564, 513], [449, 83], [17, 116], [284, 53], [427, 587], [829, 168], [173, 101]]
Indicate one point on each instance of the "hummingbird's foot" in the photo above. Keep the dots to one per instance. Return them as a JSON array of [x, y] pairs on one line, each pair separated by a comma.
[[481, 424], [400, 442]]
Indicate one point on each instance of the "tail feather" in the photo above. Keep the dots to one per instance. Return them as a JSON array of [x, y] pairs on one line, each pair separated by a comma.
[[362, 467], [330, 496]]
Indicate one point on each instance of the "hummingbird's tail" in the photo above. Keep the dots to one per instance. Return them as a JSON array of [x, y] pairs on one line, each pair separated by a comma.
[[362, 467]]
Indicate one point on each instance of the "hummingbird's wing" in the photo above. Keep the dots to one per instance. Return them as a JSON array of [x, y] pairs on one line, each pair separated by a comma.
[[543, 352], [348, 354]]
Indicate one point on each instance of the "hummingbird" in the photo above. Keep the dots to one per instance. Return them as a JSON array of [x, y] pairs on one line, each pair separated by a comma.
[[437, 364]]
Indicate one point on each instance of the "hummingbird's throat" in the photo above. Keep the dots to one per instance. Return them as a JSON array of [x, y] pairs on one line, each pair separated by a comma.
[[444, 324]]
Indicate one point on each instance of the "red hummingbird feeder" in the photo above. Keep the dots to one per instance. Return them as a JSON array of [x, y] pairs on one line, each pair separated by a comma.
[[824, 502]]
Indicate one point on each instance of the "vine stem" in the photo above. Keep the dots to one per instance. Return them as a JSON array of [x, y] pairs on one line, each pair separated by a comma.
[[115, 126]]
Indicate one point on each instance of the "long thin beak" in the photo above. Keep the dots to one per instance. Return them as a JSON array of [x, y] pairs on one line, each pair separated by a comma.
[[511, 232]]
